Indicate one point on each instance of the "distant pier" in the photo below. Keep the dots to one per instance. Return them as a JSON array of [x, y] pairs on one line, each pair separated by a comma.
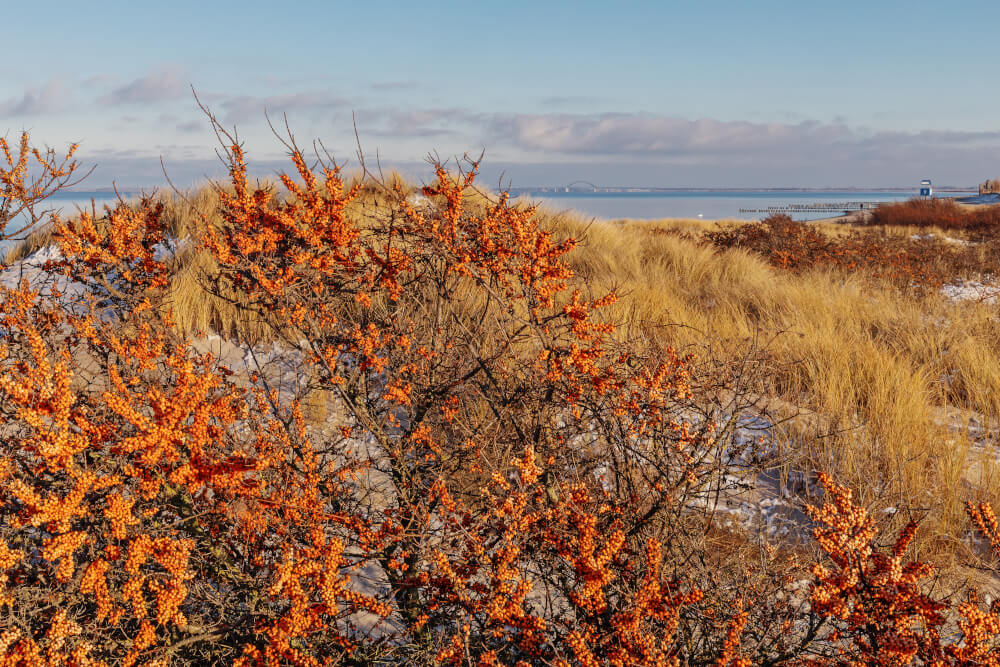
[[820, 207]]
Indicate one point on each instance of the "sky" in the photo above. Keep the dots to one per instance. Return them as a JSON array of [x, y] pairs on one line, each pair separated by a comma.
[[644, 93]]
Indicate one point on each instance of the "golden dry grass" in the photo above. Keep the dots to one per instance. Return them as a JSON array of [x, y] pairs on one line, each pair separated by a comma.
[[886, 372], [878, 364]]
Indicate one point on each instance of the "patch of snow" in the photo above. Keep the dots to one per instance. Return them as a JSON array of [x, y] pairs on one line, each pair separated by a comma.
[[169, 248], [946, 239], [419, 201], [971, 290], [31, 271]]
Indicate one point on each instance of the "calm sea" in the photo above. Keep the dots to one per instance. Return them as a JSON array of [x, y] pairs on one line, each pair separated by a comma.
[[710, 205], [69, 202]]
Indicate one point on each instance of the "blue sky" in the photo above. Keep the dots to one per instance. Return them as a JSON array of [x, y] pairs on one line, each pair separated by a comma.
[[672, 94]]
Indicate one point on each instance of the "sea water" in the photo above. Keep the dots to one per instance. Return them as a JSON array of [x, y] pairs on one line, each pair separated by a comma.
[[696, 203], [712, 204]]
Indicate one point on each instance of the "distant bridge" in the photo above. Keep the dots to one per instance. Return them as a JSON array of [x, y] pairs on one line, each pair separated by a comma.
[[576, 183]]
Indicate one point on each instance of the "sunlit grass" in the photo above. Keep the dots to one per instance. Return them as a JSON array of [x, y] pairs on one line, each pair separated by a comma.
[[878, 368]]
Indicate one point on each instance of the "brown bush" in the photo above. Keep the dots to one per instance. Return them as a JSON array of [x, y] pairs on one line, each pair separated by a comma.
[[944, 214], [796, 246]]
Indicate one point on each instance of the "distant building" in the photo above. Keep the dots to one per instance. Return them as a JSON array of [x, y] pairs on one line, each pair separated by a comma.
[[925, 188], [989, 187]]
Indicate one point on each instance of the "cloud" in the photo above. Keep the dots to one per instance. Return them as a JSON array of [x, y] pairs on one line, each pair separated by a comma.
[[651, 149], [612, 148], [629, 135], [243, 108], [668, 140], [52, 97], [623, 136], [164, 83], [420, 122], [185, 166]]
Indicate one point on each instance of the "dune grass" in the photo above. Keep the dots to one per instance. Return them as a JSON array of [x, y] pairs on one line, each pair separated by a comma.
[[878, 363], [896, 379]]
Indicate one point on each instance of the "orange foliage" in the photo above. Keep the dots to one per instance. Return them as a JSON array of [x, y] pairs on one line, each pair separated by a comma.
[[941, 213], [795, 246], [29, 176], [872, 598], [501, 478]]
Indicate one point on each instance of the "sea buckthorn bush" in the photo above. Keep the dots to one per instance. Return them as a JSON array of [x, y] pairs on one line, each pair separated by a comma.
[[498, 475], [913, 261], [943, 214]]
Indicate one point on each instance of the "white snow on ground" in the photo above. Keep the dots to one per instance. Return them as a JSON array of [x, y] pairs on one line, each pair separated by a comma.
[[971, 290], [419, 201], [946, 239], [763, 500], [755, 495], [31, 270], [32, 267], [163, 252], [280, 368]]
